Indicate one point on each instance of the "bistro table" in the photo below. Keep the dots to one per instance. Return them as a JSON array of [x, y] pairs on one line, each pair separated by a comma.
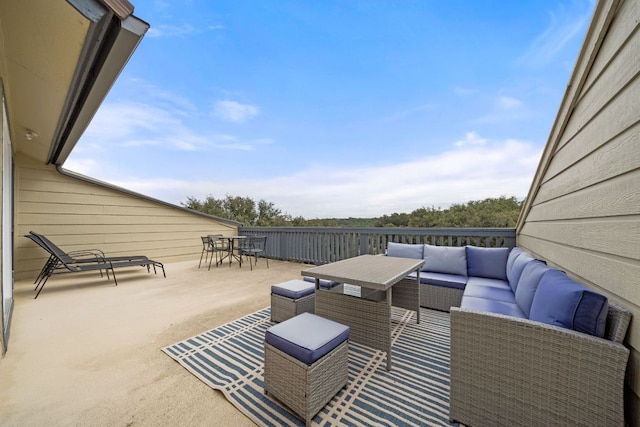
[[372, 284], [230, 253]]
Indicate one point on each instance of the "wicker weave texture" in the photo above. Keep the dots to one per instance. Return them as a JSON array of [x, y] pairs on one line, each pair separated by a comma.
[[440, 297], [305, 389], [283, 308], [406, 294], [618, 320], [516, 372], [370, 321]]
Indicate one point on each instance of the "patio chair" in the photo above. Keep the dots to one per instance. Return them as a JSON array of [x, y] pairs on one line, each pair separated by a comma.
[[60, 261], [253, 247], [217, 245], [206, 250]]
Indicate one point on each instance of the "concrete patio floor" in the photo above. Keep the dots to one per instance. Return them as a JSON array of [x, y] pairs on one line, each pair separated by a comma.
[[87, 353]]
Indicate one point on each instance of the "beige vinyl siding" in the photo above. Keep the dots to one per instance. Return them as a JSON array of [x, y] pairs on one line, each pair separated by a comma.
[[582, 214], [76, 214]]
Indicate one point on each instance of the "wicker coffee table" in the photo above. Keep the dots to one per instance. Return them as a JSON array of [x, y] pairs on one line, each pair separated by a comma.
[[373, 283]]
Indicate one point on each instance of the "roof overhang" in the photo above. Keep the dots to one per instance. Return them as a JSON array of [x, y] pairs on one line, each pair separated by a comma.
[[110, 44], [58, 61]]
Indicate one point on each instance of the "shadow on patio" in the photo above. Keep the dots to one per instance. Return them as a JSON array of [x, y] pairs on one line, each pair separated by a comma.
[[88, 353]]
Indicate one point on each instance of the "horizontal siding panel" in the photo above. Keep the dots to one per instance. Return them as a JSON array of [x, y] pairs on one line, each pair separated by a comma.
[[620, 237], [621, 85], [87, 198], [619, 116], [67, 198], [619, 156], [69, 186], [58, 208], [617, 197], [89, 219], [628, 19], [75, 208], [86, 230]]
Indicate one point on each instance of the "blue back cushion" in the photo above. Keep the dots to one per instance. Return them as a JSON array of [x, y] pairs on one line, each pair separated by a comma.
[[563, 302], [445, 259], [403, 250], [513, 274], [513, 254], [487, 262], [528, 284]]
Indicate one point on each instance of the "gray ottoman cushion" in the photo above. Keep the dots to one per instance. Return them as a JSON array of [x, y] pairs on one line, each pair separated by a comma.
[[307, 337], [293, 289]]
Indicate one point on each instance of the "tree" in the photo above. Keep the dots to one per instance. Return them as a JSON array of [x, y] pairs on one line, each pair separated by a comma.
[[492, 212], [241, 209]]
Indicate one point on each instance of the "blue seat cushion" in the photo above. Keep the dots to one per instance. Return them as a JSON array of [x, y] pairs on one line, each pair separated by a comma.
[[293, 289], [441, 279], [561, 301], [483, 281], [492, 306], [528, 284], [307, 337], [404, 250], [490, 292], [513, 274], [324, 284], [487, 262], [445, 259]]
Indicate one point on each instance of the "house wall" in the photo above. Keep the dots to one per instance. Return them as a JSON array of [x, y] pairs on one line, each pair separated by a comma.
[[582, 214], [3, 297], [76, 214]]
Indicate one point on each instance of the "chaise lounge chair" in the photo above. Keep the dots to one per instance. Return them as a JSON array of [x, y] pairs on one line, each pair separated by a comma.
[[85, 260]]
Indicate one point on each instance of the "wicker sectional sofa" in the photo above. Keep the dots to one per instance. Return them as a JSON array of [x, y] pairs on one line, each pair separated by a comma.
[[529, 345]]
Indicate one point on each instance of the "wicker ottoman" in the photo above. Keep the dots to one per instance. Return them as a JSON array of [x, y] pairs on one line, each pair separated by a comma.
[[305, 370], [288, 299]]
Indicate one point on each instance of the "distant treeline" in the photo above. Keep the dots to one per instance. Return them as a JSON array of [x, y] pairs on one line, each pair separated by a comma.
[[492, 212]]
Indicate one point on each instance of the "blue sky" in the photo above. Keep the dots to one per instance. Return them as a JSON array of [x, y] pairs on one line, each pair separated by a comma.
[[336, 108]]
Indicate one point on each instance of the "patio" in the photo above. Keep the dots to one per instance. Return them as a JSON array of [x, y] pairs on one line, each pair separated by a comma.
[[88, 353]]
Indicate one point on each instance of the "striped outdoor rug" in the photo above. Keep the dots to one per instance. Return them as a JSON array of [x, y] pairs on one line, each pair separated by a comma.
[[414, 393]]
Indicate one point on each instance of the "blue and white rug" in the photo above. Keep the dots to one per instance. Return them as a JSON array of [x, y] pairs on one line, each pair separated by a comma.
[[415, 393]]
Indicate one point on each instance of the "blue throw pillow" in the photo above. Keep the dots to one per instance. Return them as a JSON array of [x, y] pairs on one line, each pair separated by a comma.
[[404, 250], [445, 259], [487, 262], [563, 302]]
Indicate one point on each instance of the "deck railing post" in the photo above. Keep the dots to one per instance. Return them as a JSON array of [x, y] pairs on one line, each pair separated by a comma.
[[364, 243]]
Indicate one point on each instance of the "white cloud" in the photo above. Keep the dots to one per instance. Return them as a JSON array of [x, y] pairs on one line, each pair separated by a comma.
[[401, 115], [471, 138], [84, 166], [164, 30], [470, 172], [168, 30], [463, 91], [565, 23], [235, 112], [129, 124], [504, 109], [509, 103]]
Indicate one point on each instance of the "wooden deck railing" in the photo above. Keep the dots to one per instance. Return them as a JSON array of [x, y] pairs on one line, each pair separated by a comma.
[[320, 245]]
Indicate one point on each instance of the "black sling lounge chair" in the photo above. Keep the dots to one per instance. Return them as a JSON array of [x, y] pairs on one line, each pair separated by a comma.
[[86, 260]]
